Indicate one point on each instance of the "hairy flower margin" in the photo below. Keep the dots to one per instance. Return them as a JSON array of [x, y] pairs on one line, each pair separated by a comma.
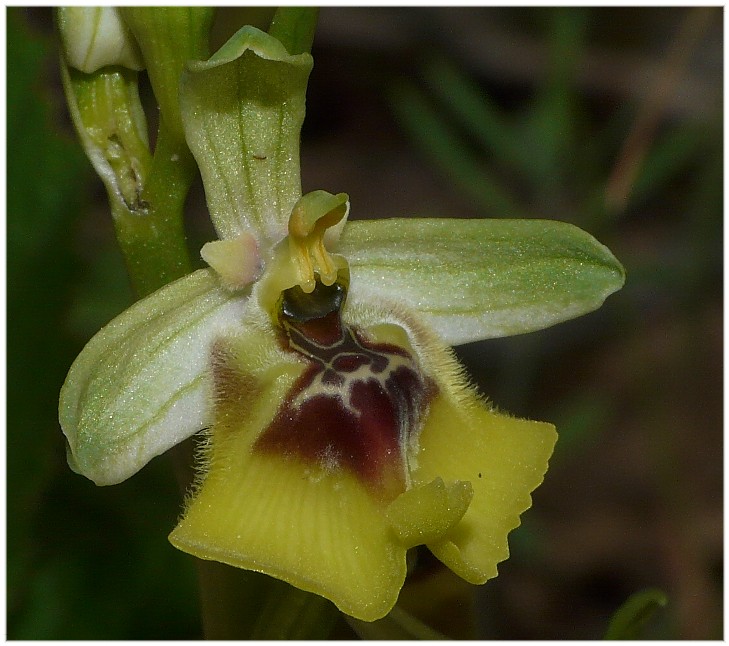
[[340, 429]]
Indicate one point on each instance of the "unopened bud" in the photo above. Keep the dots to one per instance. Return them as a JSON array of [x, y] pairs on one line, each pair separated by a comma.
[[94, 37]]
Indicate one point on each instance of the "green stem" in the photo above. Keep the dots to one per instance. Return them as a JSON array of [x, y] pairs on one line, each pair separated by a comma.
[[239, 604], [396, 625], [153, 239], [168, 38], [294, 27]]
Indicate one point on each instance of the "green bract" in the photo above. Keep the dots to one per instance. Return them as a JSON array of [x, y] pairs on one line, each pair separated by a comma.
[[339, 429], [107, 112]]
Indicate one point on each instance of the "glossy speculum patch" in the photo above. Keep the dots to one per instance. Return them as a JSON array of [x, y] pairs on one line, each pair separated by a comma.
[[356, 404]]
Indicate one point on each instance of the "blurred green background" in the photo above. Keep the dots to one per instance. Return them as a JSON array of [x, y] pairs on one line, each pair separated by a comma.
[[609, 118]]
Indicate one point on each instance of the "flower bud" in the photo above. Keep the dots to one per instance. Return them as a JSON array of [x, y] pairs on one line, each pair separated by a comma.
[[94, 37]]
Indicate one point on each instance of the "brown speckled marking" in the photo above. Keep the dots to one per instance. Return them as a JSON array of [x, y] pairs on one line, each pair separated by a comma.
[[354, 407]]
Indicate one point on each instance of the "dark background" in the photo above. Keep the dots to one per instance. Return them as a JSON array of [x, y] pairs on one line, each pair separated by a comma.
[[425, 112]]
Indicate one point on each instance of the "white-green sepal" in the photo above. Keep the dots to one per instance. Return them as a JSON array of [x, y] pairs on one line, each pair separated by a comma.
[[142, 384], [480, 279], [242, 111], [96, 37]]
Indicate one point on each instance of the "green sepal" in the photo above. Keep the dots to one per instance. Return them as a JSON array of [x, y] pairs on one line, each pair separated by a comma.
[[141, 385], [242, 111], [480, 279], [96, 37], [168, 38]]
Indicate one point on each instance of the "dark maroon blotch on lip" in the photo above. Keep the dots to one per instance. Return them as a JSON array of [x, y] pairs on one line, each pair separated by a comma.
[[356, 404]]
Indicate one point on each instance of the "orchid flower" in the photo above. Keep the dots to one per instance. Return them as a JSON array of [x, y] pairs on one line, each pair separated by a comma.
[[337, 430]]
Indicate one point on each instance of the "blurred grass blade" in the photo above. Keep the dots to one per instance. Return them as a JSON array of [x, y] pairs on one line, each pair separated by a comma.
[[397, 625], [450, 154], [46, 176], [551, 121], [632, 156], [241, 604], [290, 613], [668, 157], [631, 618], [474, 109]]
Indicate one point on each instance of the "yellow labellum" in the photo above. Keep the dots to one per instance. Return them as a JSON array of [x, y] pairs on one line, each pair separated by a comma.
[[315, 522]]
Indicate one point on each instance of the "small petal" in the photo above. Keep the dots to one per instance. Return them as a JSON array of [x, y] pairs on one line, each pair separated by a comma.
[[310, 524], [242, 111], [479, 279], [503, 458], [141, 384], [237, 260]]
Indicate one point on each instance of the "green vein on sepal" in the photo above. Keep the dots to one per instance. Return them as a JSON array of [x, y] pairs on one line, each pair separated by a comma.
[[128, 395], [242, 111], [478, 279]]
